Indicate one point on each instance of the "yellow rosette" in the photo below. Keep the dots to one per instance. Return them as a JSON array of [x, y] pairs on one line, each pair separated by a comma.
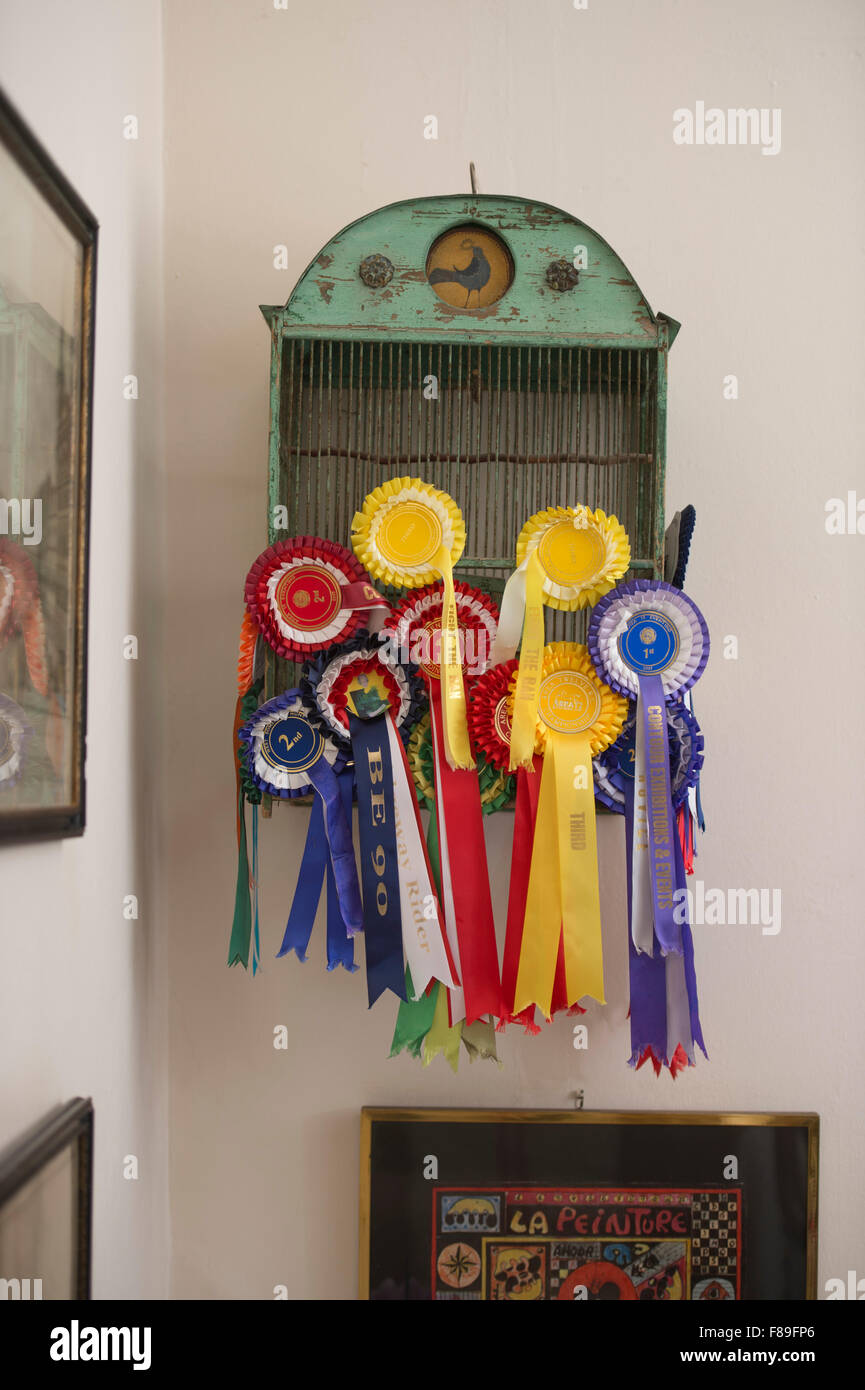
[[567, 557], [408, 534], [576, 716]]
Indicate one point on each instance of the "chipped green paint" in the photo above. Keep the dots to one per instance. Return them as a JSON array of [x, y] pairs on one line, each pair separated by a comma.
[[606, 309]]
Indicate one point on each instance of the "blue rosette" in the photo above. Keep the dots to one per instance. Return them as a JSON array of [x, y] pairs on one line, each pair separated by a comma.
[[614, 768], [284, 747], [288, 755]]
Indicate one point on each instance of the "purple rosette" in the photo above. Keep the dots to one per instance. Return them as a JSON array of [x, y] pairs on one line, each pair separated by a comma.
[[614, 768], [677, 648]]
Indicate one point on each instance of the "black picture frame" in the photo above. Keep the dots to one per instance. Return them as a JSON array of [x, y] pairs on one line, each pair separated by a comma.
[[545, 1187], [67, 1128], [58, 810]]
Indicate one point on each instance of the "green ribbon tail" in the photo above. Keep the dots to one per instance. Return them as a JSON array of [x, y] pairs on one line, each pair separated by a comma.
[[241, 927], [479, 1039], [414, 1019]]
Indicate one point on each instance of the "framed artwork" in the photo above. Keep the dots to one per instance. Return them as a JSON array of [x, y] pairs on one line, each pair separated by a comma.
[[47, 294], [577, 1206], [46, 1182]]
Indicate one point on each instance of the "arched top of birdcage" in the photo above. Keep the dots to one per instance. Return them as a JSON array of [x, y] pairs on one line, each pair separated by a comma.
[[371, 281]]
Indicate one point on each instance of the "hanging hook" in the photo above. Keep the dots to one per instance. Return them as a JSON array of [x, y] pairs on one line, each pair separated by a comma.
[[473, 175]]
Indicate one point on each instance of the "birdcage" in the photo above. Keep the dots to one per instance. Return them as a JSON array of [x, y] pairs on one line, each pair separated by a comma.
[[495, 347]]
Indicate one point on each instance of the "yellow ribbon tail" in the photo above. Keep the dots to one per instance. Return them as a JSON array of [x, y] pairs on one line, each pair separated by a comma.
[[578, 865], [525, 712], [542, 924], [442, 1038], [457, 746]]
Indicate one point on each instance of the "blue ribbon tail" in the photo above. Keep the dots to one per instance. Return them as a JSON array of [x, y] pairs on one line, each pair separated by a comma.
[[340, 944], [382, 915], [310, 878]]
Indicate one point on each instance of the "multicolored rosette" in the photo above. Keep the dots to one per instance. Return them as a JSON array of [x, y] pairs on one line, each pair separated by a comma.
[[287, 755], [21, 610], [409, 534], [650, 640], [567, 557], [306, 593], [368, 700], [15, 735], [577, 716], [497, 786], [420, 630], [363, 673]]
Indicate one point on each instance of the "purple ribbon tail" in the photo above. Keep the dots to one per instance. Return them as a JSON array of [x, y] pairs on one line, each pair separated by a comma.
[[647, 974], [688, 944], [662, 830]]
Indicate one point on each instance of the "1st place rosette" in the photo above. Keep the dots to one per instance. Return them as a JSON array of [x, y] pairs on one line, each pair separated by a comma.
[[577, 715], [287, 755], [650, 641], [409, 534], [567, 557], [306, 593], [369, 701]]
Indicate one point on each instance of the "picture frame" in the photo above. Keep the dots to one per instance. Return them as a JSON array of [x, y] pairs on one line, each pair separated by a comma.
[[46, 1207], [48, 246], [571, 1205]]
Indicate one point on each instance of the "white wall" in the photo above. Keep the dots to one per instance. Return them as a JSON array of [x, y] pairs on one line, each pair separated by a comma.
[[81, 999], [282, 126]]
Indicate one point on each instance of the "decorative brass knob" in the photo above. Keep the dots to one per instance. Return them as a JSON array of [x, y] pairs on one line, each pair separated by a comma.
[[562, 275], [376, 271]]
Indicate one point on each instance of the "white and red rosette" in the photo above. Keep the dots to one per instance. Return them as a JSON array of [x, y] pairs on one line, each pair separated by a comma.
[[305, 594], [415, 628]]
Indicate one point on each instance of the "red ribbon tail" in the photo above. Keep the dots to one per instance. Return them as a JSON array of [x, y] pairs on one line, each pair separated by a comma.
[[460, 797]]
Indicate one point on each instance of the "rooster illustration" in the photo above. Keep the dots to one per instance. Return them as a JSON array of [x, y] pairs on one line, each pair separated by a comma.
[[472, 277]]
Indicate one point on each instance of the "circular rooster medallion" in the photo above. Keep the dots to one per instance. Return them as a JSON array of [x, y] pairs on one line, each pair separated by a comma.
[[469, 267]]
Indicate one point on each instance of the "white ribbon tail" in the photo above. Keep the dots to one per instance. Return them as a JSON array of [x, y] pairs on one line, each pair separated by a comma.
[[421, 933], [513, 608]]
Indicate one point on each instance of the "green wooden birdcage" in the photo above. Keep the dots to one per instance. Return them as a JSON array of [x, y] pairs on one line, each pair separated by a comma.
[[495, 347]]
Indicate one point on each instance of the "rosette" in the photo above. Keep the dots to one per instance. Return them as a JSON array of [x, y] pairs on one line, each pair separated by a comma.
[[408, 534], [567, 557], [614, 768], [420, 630], [15, 735], [288, 756], [358, 675], [21, 610], [367, 699], [650, 640], [304, 594], [577, 715]]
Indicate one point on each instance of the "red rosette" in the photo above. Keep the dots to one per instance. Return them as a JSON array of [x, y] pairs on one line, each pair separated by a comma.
[[305, 594], [415, 628], [489, 713]]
